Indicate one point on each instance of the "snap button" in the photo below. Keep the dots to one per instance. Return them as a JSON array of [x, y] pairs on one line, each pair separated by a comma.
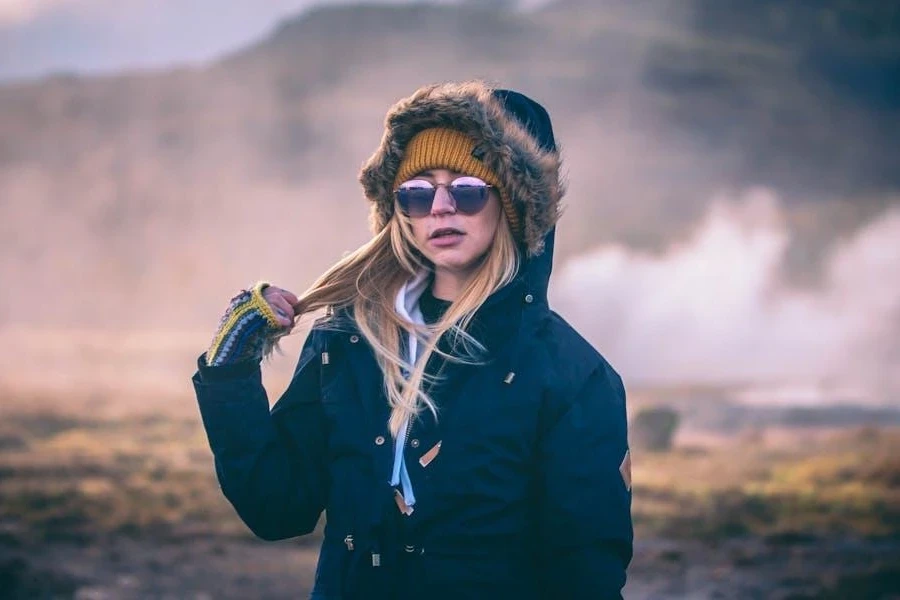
[[414, 443], [379, 440], [529, 298], [354, 339]]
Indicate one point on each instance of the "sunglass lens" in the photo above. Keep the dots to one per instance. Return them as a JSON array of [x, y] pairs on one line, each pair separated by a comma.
[[469, 198], [415, 202]]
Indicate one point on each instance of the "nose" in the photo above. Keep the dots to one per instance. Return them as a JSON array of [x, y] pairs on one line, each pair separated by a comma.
[[443, 203]]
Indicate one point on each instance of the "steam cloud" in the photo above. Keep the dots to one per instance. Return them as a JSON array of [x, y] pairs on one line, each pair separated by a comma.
[[714, 307]]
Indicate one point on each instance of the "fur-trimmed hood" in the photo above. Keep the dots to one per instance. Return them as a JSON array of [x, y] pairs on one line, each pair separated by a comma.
[[513, 138]]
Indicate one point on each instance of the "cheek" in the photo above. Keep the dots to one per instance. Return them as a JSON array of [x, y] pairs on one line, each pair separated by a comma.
[[420, 231], [485, 236], [491, 215], [486, 225]]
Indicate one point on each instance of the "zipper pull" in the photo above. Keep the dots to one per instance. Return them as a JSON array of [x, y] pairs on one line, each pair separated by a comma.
[[348, 541], [376, 559]]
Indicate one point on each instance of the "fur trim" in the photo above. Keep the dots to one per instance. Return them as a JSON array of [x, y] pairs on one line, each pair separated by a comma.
[[528, 174]]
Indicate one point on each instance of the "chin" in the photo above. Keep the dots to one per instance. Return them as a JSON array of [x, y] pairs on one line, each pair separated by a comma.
[[453, 261]]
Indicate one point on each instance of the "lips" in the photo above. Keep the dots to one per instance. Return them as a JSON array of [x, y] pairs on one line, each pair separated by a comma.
[[444, 232]]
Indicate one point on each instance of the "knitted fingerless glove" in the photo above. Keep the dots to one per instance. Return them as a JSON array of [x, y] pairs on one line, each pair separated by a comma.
[[247, 330]]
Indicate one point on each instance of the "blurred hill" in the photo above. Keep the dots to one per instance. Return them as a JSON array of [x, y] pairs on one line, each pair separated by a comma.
[[145, 199]]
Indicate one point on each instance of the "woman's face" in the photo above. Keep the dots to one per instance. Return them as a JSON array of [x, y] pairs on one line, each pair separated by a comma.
[[451, 240]]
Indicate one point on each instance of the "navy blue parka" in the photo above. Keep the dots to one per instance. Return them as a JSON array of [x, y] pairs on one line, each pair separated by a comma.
[[525, 497]]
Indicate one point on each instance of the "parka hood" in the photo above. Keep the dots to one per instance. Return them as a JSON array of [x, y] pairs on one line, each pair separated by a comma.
[[514, 139]]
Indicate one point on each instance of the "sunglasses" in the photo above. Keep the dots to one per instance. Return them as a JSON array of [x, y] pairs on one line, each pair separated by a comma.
[[416, 196]]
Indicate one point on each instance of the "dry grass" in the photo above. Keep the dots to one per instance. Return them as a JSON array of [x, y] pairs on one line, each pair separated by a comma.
[[68, 476], [837, 483], [79, 479]]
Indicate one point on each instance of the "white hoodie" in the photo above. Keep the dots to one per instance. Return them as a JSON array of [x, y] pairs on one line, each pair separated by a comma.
[[407, 306]]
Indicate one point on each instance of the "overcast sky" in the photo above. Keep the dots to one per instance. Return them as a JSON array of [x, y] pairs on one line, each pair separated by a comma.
[[45, 36]]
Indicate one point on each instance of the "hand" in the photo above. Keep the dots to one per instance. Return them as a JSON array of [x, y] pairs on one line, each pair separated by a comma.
[[252, 323], [282, 303]]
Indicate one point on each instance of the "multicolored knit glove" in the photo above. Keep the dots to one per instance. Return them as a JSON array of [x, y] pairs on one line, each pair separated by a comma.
[[247, 331]]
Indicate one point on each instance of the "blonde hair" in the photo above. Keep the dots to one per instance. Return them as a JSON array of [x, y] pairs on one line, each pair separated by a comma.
[[369, 279]]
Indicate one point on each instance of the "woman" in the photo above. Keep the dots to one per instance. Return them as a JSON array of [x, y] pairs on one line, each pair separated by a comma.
[[463, 440]]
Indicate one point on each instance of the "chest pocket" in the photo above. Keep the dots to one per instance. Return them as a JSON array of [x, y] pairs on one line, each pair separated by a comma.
[[342, 403], [349, 457], [492, 428]]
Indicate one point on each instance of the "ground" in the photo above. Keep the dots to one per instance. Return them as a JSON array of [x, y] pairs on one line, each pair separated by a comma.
[[101, 498]]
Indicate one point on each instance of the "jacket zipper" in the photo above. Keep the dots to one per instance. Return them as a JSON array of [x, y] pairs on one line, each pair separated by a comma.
[[409, 424]]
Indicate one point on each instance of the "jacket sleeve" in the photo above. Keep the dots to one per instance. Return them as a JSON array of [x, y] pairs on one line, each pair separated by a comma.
[[270, 465], [584, 502]]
